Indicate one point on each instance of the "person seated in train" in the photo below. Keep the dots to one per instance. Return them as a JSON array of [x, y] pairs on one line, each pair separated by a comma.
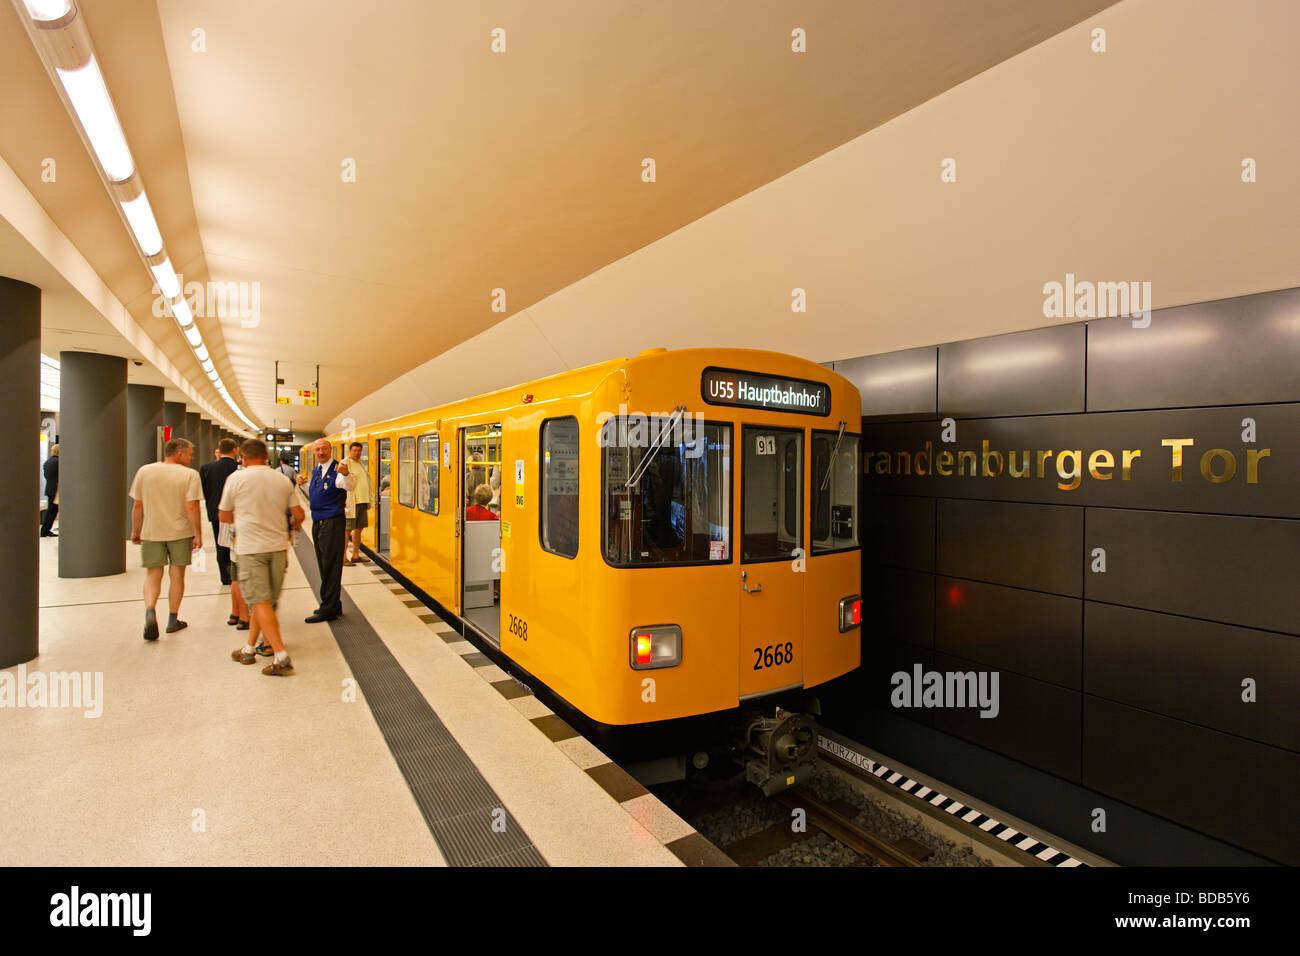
[[478, 511], [495, 484]]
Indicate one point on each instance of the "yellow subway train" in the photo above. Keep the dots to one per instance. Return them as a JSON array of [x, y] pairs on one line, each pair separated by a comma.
[[663, 543]]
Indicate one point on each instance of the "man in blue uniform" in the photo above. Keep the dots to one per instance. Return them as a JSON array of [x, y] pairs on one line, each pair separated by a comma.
[[327, 493]]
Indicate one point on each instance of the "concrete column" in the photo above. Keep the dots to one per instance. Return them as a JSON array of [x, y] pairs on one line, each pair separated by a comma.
[[20, 379], [192, 433], [174, 418], [144, 416], [92, 464]]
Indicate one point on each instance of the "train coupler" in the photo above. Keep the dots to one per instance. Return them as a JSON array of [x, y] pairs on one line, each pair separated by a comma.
[[779, 751]]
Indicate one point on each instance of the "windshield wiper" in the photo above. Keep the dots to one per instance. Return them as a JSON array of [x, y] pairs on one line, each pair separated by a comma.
[[654, 448], [830, 464]]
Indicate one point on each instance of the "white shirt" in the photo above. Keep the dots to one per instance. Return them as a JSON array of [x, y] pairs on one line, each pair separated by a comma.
[[165, 488], [259, 497]]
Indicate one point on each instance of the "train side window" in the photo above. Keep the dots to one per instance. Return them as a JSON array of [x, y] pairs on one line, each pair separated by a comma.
[[835, 508], [406, 472], [559, 512], [428, 469]]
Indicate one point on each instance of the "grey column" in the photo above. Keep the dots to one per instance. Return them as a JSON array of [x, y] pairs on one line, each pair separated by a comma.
[[203, 454], [92, 464], [144, 416], [20, 378], [174, 418], [192, 433]]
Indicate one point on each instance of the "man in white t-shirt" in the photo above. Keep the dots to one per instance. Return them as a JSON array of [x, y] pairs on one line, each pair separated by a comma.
[[165, 522], [255, 499]]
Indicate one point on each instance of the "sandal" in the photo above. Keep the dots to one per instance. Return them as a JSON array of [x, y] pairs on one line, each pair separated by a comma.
[[242, 626], [233, 619]]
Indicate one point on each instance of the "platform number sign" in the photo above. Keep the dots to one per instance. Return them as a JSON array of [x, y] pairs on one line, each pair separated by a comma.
[[766, 445]]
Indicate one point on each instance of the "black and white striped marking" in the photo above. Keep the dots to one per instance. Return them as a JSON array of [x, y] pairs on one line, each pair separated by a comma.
[[1013, 837]]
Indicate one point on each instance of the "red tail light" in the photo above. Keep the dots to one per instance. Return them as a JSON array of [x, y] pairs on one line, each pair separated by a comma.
[[659, 646], [850, 613]]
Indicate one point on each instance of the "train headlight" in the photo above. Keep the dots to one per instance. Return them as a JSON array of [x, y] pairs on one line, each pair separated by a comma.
[[656, 647], [850, 613]]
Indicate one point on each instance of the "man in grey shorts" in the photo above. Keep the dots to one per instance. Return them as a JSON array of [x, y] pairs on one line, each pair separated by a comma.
[[165, 523], [255, 500]]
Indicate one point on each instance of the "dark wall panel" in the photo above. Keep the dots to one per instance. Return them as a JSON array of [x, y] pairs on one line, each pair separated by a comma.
[[1263, 480], [1194, 670], [898, 531], [898, 605], [1023, 373], [1036, 722], [1027, 546], [1034, 634], [1230, 352], [1219, 567], [1241, 791], [875, 677], [898, 385]]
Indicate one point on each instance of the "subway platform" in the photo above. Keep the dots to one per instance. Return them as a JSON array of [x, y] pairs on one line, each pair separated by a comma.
[[394, 743]]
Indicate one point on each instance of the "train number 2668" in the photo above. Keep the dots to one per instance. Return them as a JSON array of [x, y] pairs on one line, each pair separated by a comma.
[[774, 655], [519, 627]]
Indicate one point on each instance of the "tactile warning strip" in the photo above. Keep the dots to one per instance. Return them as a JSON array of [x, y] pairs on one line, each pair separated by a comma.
[[469, 823], [674, 833]]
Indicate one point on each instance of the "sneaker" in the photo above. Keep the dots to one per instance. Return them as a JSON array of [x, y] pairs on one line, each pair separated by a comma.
[[281, 669], [243, 655], [265, 649]]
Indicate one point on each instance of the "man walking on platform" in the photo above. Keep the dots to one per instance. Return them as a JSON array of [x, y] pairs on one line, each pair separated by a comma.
[[165, 523], [327, 493], [255, 500], [213, 477], [51, 470]]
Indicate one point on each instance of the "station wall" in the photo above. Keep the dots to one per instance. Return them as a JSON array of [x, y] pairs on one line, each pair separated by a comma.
[[1141, 616]]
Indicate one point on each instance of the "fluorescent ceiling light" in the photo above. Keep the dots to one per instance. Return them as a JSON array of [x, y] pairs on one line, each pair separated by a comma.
[[207, 364], [181, 312], [193, 337], [168, 284], [213, 375], [94, 108], [202, 353], [139, 215], [47, 9]]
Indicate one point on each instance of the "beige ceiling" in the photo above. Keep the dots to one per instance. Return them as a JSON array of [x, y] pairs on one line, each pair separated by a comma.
[[474, 170]]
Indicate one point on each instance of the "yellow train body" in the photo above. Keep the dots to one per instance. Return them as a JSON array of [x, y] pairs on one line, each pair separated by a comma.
[[567, 620]]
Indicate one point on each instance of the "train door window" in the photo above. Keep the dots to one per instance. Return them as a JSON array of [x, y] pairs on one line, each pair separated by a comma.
[[384, 490], [559, 511], [406, 472], [428, 470], [772, 491], [667, 496], [834, 492]]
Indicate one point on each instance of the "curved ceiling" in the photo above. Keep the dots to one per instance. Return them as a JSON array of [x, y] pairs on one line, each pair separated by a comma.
[[475, 170]]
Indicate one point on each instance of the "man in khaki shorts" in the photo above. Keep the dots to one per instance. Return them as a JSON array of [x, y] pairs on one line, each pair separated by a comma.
[[255, 500], [165, 522]]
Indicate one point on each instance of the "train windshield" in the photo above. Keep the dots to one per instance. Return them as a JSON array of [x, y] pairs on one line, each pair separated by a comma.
[[678, 509], [834, 492]]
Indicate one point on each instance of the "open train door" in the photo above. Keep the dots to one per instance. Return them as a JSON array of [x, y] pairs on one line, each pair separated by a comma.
[[771, 560], [479, 528]]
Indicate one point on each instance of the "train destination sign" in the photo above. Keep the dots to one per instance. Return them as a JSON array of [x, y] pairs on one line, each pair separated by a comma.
[[728, 386]]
